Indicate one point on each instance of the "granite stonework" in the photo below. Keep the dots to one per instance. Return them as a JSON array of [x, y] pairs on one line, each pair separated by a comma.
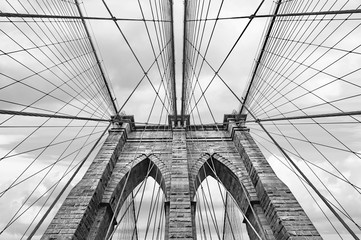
[[179, 158]]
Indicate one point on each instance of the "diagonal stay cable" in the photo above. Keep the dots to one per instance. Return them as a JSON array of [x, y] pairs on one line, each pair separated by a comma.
[[154, 102], [35, 16], [133, 52], [331, 12], [143, 77], [304, 180], [34, 131], [68, 170], [48, 166], [307, 180], [47, 93], [130, 165], [299, 34], [310, 162], [44, 115], [76, 171], [266, 39], [63, 61], [154, 54], [320, 104], [301, 180], [41, 46], [159, 30], [327, 131], [152, 206], [97, 59], [296, 167], [195, 56], [318, 71], [16, 216], [230, 51], [186, 101], [319, 57], [205, 99], [324, 157], [212, 168], [59, 31], [313, 144], [42, 150], [49, 145]]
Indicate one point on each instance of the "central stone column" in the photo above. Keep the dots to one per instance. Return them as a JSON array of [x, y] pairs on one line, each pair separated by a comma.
[[179, 213]]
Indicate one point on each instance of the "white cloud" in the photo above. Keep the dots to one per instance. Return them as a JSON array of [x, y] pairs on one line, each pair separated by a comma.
[[342, 191], [16, 198]]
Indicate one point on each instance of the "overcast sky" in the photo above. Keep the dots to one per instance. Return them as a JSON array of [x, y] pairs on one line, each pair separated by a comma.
[[123, 73]]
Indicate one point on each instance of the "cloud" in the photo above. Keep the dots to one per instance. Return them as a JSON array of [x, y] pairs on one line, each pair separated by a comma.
[[24, 198], [124, 73], [342, 191]]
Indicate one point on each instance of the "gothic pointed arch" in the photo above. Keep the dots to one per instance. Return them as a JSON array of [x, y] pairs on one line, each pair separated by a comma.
[[235, 182], [124, 161], [142, 166], [125, 178]]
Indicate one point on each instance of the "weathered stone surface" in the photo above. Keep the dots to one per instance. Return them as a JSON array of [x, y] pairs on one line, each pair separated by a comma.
[[180, 160], [82, 203], [180, 213], [284, 214]]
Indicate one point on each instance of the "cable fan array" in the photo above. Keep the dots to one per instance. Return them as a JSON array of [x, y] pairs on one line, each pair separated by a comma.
[[301, 100], [60, 89], [58, 99]]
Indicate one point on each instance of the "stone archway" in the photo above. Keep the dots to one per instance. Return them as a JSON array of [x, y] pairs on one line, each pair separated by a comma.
[[124, 179], [245, 172], [226, 172]]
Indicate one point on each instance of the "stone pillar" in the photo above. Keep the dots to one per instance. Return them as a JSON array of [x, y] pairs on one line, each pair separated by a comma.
[[180, 213], [78, 212], [193, 211], [166, 224], [283, 212]]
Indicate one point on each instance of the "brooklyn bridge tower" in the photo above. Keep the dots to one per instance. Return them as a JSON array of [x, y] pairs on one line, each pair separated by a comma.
[[196, 119]]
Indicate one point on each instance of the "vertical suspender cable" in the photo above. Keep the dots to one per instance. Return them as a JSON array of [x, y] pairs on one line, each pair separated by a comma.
[[184, 81], [173, 83]]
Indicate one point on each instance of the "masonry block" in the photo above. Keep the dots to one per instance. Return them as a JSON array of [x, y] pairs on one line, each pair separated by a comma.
[[180, 158], [283, 212], [82, 203]]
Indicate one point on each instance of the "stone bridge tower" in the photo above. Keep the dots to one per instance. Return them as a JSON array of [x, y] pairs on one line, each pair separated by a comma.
[[181, 156]]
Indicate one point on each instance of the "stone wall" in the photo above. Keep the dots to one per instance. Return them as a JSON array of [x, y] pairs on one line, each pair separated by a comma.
[[180, 160]]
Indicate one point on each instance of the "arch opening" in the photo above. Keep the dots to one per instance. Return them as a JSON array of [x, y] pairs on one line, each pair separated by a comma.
[[142, 214], [219, 176], [136, 173], [217, 214], [124, 214]]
